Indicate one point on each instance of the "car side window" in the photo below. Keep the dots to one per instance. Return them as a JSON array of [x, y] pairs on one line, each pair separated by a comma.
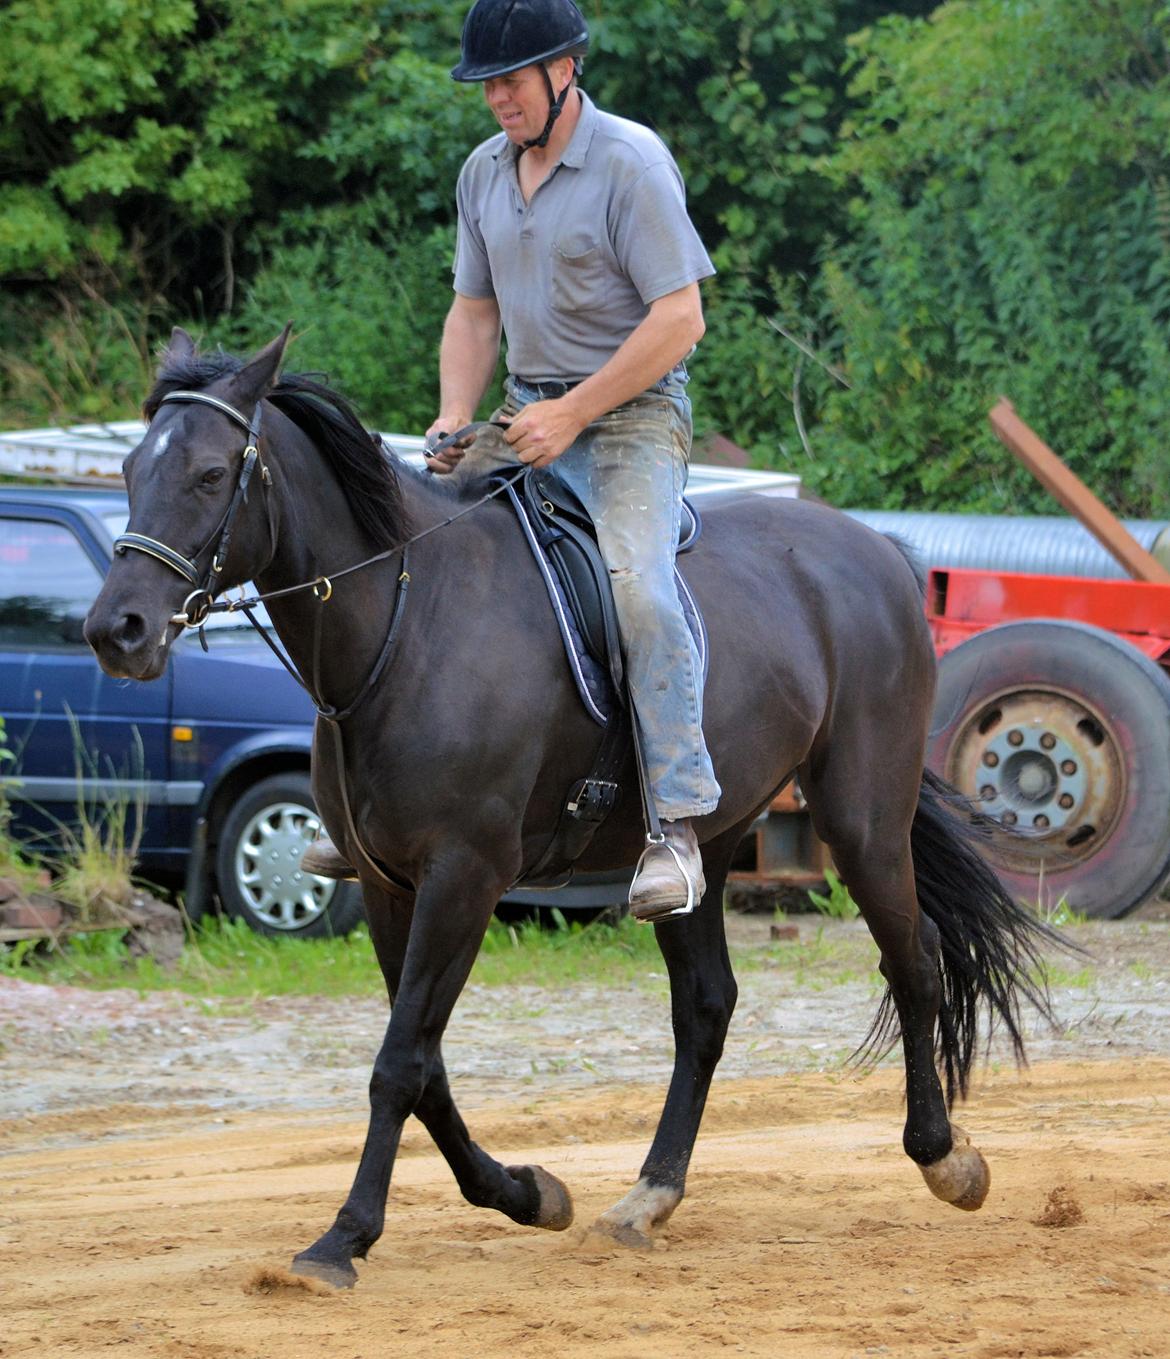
[[47, 583]]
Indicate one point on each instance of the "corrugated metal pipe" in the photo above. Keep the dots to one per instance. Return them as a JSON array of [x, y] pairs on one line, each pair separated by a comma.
[[1049, 545]]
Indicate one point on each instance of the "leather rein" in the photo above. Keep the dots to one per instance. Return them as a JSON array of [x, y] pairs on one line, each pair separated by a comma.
[[201, 601]]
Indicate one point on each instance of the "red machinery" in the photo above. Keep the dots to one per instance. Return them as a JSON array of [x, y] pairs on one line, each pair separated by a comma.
[[1052, 714]]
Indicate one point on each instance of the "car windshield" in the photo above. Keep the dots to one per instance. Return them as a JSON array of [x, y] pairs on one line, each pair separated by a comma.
[[115, 522]]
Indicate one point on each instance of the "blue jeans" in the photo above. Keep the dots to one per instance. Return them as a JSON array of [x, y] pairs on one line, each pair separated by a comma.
[[629, 468]]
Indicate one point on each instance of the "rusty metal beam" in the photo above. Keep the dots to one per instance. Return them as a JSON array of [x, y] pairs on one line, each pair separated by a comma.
[[1074, 495]]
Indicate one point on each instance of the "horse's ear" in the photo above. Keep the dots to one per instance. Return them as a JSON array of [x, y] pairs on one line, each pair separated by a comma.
[[180, 348], [253, 380]]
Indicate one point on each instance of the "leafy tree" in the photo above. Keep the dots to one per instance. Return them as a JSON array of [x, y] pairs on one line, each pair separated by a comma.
[[165, 131], [1008, 175], [154, 156], [174, 161], [367, 315], [748, 94]]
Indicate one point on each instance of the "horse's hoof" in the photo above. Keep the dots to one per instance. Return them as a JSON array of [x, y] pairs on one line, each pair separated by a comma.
[[337, 1276], [555, 1212], [631, 1221], [962, 1177]]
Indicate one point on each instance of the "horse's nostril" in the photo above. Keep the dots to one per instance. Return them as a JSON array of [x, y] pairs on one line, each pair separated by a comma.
[[129, 632]]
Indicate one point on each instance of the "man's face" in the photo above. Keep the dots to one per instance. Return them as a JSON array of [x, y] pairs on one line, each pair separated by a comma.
[[519, 100]]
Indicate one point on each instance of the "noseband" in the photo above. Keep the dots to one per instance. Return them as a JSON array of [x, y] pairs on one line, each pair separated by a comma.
[[197, 605]]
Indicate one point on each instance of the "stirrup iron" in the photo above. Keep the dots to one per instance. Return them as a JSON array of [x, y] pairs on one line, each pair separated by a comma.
[[659, 841]]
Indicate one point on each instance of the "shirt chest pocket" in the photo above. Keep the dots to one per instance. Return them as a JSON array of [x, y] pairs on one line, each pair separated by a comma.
[[580, 276]]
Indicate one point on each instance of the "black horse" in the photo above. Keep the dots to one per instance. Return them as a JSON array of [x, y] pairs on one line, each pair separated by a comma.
[[458, 731]]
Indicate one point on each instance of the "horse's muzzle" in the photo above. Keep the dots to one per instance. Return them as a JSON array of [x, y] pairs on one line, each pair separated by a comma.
[[126, 646]]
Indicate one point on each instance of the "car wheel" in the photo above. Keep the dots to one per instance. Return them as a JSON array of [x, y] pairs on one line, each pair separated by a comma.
[[1060, 732], [257, 859]]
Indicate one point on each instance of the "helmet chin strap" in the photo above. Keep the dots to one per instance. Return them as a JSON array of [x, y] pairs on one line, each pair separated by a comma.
[[555, 104]]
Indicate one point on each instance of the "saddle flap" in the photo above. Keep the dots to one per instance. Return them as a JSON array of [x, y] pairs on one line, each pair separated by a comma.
[[565, 531]]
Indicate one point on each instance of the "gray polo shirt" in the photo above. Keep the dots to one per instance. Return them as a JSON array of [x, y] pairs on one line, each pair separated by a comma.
[[575, 269]]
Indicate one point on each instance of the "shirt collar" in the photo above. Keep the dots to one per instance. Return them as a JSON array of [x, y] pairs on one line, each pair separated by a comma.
[[508, 153], [578, 148]]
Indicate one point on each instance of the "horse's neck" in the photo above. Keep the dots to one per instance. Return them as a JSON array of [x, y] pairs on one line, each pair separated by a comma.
[[336, 644], [334, 630]]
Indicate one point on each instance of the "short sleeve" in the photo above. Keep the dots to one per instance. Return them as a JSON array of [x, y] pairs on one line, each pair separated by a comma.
[[473, 275], [653, 236]]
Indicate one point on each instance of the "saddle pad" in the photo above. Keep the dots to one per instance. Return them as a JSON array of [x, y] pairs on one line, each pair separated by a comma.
[[591, 674]]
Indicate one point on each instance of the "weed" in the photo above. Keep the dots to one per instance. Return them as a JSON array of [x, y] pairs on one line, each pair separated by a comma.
[[227, 960], [13, 957], [838, 904], [1056, 975], [7, 759], [101, 851], [1062, 914], [569, 952], [13, 863], [92, 872], [1058, 913]]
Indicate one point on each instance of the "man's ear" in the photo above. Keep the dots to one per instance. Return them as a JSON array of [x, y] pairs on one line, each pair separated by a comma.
[[252, 383]]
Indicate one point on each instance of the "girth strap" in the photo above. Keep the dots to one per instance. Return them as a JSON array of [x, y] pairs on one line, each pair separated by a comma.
[[589, 802]]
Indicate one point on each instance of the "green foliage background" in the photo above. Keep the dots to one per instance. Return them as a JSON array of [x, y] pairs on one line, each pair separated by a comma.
[[936, 205]]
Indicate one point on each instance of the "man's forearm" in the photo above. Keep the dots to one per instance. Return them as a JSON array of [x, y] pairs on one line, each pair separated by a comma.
[[667, 334], [467, 359]]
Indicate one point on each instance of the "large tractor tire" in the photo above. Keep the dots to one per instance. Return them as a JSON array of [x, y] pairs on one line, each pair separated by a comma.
[[1060, 733]]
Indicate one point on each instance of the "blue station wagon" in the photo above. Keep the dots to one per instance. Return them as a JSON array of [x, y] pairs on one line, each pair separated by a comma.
[[213, 757]]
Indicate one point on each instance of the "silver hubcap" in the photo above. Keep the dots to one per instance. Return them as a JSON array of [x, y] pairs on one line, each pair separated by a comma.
[[268, 868], [1043, 763]]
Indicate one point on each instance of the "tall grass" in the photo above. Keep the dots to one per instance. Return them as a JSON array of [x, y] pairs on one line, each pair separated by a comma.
[[225, 958], [14, 865], [67, 358]]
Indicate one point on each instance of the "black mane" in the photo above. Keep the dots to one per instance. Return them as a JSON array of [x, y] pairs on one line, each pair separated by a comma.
[[368, 473]]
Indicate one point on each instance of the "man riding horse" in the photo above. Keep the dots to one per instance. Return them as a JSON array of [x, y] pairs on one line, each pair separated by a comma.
[[574, 240]]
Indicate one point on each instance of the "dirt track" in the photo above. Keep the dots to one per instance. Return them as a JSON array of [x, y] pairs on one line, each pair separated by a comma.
[[144, 1225]]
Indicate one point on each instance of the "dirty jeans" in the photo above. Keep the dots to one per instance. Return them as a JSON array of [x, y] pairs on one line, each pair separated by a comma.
[[629, 468]]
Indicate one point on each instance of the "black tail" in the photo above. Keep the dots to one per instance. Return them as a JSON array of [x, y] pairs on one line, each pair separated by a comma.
[[990, 944]]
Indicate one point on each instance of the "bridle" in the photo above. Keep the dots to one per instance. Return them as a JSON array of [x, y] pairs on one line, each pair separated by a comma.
[[198, 603]]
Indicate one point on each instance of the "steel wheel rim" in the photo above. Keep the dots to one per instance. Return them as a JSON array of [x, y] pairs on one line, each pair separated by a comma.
[[268, 872], [1046, 766]]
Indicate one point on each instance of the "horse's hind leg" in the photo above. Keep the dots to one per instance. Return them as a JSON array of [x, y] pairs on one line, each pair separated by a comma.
[[702, 998], [863, 810]]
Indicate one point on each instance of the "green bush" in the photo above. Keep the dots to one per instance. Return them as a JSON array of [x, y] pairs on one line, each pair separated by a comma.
[[370, 315], [65, 359], [1009, 234], [938, 207]]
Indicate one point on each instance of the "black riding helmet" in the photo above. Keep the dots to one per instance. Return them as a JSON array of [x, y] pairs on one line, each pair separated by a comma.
[[502, 36]]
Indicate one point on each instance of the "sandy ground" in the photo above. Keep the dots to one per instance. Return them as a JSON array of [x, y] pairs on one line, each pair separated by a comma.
[[160, 1162]]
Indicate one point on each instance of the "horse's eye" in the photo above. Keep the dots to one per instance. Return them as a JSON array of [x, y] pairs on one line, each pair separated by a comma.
[[212, 477]]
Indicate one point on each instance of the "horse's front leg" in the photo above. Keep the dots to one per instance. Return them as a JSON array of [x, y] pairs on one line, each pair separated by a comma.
[[527, 1194], [702, 998], [451, 913]]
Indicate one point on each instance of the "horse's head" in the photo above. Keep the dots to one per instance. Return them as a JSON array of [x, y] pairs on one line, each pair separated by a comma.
[[194, 528]]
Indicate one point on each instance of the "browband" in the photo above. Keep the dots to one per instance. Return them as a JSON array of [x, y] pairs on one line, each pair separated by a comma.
[[229, 411]]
